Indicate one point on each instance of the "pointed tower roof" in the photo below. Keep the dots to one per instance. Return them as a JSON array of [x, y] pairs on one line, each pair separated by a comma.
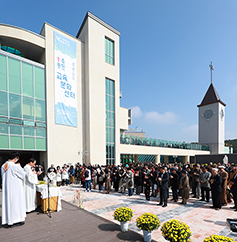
[[211, 97]]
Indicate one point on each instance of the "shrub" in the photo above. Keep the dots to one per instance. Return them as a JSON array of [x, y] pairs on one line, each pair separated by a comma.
[[175, 230], [123, 214], [218, 238], [148, 221]]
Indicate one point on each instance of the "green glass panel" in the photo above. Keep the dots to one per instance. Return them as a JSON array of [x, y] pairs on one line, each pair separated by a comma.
[[39, 110], [41, 132], [29, 131], [16, 129], [15, 121], [27, 79], [38, 124], [3, 128], [107, 118], [14, 76], [39, 83], [3, 104], [3, 73], [4, 142], [112, 88], [15, 105], [28, 108], [16, 142], [112, 151], [28, 123], [3, 120], [40, 144], [29, 143], [107, 84]]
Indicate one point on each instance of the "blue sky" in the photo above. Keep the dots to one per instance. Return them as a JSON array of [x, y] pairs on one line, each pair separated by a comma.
[[166, 49]]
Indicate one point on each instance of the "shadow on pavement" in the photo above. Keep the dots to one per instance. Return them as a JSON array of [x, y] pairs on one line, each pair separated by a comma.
[[109, 227]]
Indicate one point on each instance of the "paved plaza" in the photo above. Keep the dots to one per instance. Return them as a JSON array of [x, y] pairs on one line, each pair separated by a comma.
[[202, 220], [95, 221]]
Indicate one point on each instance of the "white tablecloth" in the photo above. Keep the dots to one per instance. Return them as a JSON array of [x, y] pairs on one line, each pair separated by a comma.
[[53, 192]]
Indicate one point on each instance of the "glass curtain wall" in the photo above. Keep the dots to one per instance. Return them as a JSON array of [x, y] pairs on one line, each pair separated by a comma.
[[22, 105], [110, 121]]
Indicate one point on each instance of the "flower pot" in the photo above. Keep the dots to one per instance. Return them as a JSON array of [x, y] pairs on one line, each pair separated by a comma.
[[124, 226], [147, 235]]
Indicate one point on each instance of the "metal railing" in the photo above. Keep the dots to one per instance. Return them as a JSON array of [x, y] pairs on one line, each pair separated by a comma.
[[134, 140]]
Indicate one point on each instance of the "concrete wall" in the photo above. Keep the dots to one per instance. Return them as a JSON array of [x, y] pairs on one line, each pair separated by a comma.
[[63, 142], [14, 32], [206, 159], [147, 150], [96, 70]]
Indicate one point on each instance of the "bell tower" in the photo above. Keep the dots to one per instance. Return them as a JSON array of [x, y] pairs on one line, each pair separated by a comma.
[[211, 120]]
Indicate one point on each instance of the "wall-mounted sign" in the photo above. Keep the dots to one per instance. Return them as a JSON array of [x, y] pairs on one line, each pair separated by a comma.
[[65, 62]]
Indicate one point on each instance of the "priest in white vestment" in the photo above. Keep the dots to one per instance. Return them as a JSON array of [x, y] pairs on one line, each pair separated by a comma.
[[13, 196], [30, 189]]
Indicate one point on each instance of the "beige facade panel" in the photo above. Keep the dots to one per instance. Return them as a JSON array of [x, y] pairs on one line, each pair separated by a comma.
[[13, 32], [146, 150], [123, 118]]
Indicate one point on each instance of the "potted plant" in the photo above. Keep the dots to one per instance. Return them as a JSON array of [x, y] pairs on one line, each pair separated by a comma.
[[148, 222], [175, 230], [218, 238], [123, 215]]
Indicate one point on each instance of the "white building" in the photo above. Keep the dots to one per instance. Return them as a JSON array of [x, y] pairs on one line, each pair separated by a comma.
[[60, 95]]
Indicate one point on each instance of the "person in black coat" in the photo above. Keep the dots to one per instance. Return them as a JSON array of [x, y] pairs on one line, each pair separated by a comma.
[[216, 181], [115, 178], [138, 181], [164, 186], [174, 181], [147, 186], [234, 188]]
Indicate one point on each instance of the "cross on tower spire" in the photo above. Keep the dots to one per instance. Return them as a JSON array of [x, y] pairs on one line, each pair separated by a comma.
[[212, 69]]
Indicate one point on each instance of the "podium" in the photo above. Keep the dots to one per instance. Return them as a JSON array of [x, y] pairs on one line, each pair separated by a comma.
[[54, 198]]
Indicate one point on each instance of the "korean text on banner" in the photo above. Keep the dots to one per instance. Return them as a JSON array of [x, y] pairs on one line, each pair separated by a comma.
[[65, 62]]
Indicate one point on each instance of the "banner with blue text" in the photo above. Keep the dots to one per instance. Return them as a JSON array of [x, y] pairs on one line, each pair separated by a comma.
[[65, 62]]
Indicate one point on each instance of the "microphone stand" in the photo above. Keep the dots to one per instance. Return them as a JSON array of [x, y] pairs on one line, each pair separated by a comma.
[[48, 209]]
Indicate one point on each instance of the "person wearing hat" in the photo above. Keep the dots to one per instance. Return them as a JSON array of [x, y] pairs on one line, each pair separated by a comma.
[[216, 182], [184, 185], [224, 176]]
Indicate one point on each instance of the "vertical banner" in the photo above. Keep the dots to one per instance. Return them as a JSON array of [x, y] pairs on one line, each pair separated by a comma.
[[65, 62]]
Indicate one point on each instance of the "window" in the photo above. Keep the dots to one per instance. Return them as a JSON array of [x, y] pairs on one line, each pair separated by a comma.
[[22, 104], [15, 105], [3, 73], [39, 83], [27, 79], [110, 124], [109, 51], [3, 104], [14, 70]]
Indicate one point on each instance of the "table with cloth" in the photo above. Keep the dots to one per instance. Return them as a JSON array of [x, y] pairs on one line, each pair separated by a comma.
[[55, 197]]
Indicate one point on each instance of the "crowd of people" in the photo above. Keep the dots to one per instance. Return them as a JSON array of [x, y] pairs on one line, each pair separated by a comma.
[[203, 182]]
